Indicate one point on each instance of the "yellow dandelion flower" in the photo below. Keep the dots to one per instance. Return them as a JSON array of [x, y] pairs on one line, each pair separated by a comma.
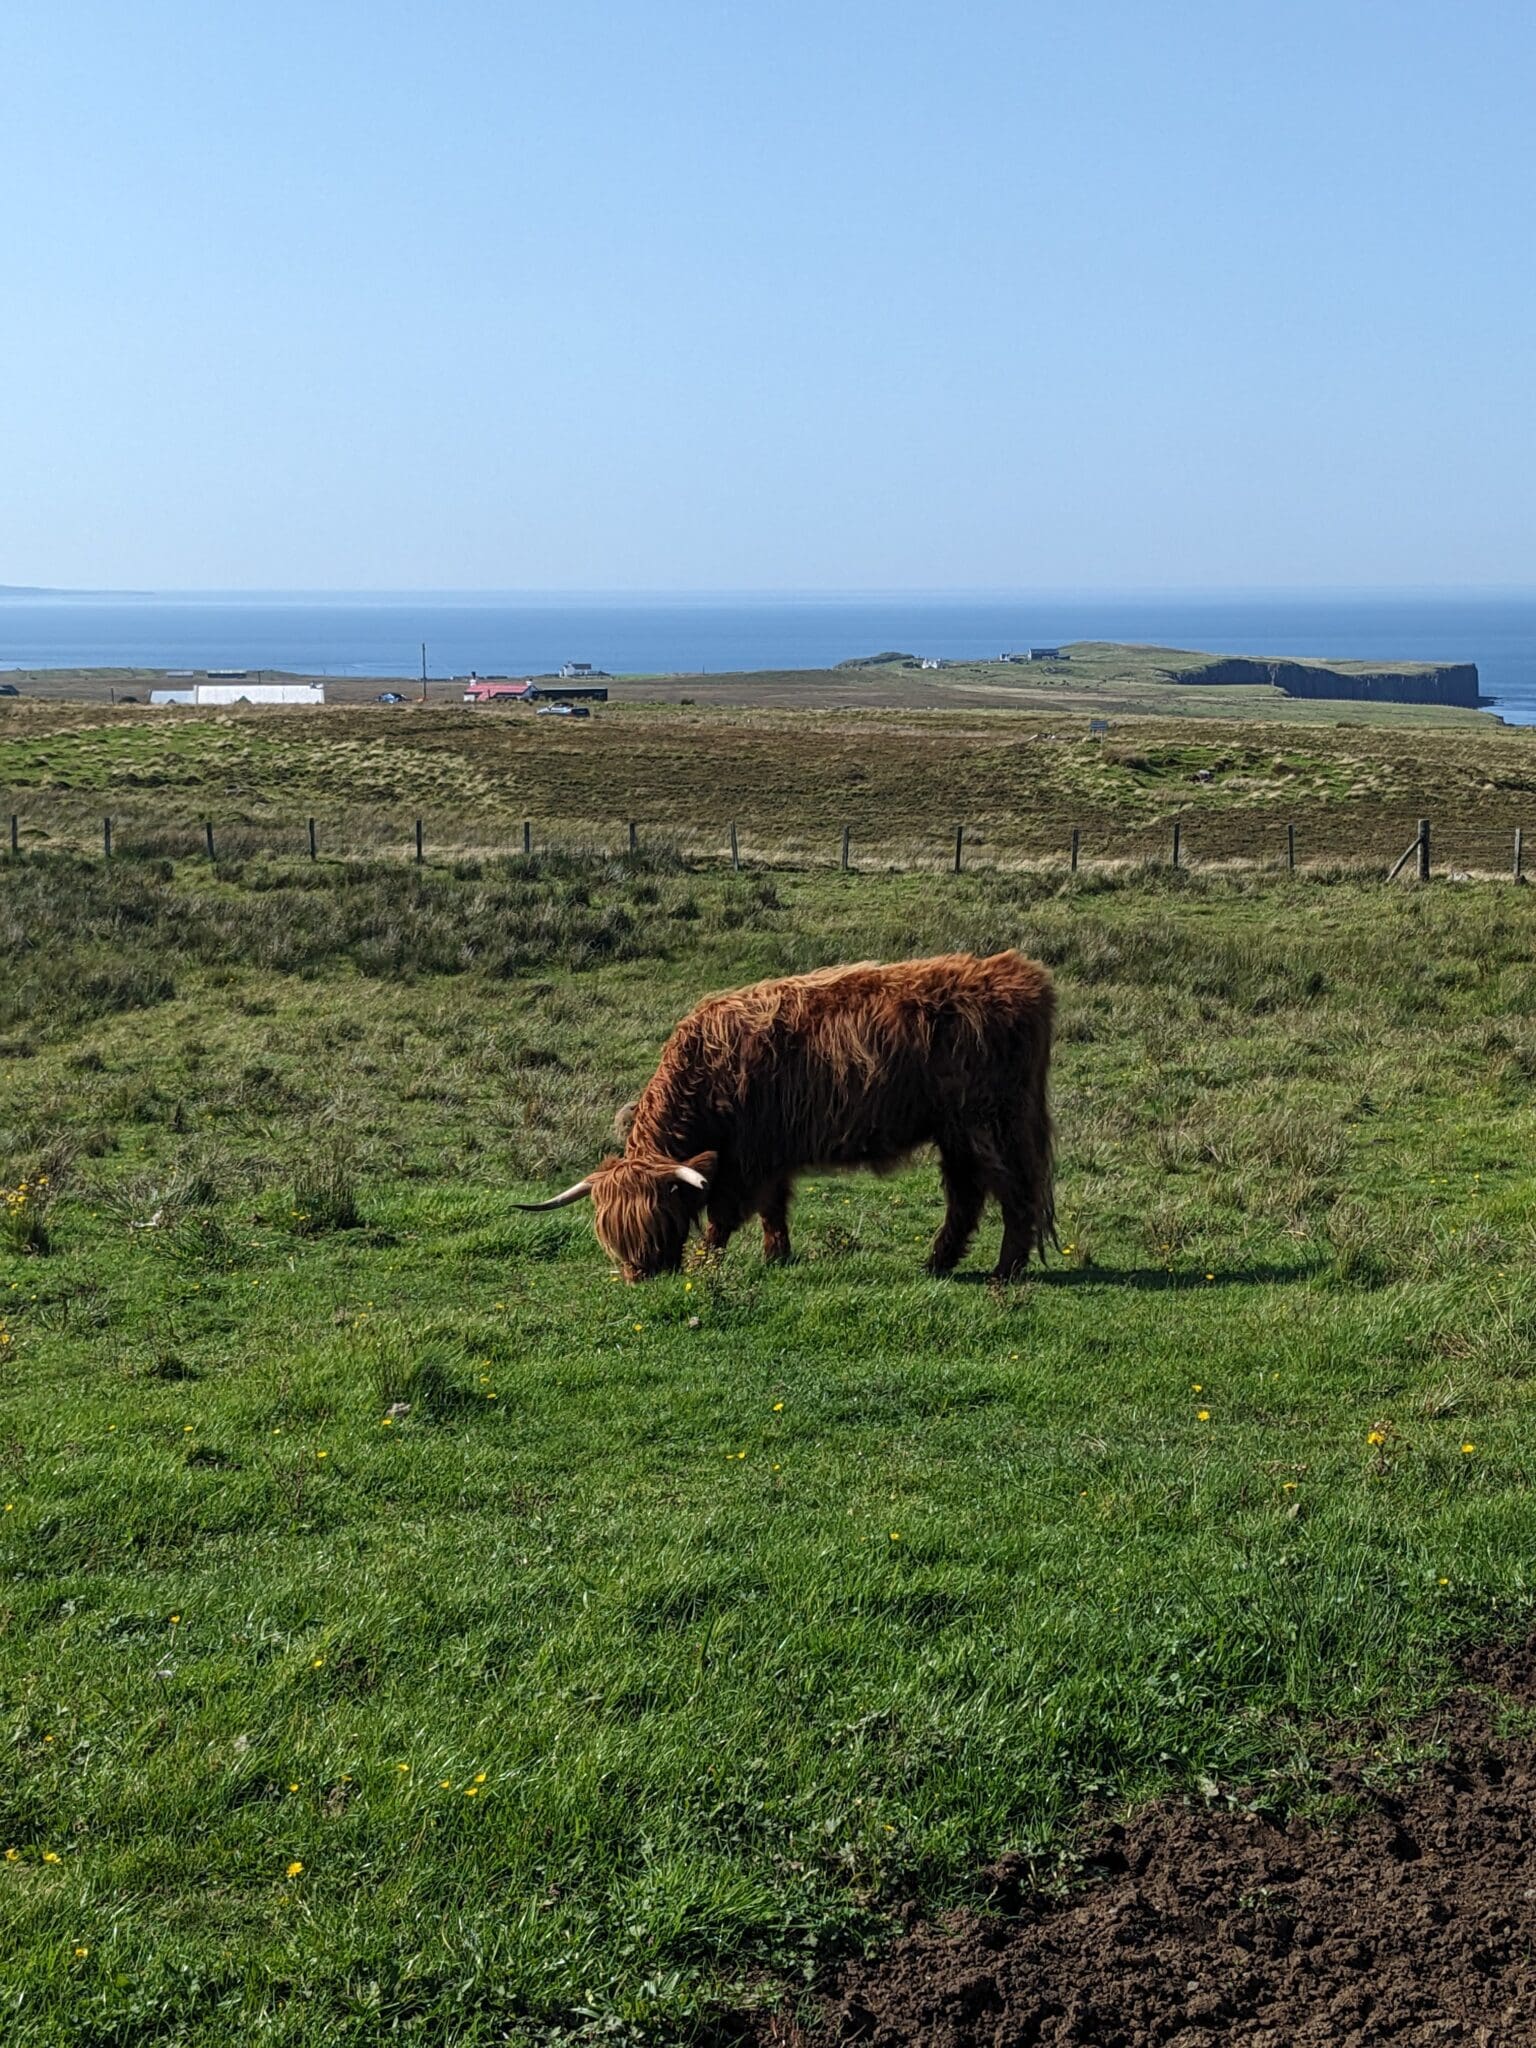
[[1195, 1387], [895, 1535], [1376, 1436], [402, 1767], [1467, 1449], [322, 1454], [777, 1406], [51, 1856], [1203, 1415], [13, 1855], [470, 1791], [315, 1666], [293, 1788], [295, 1868], [445, 1784], [1444, 1582], [80, 1951]]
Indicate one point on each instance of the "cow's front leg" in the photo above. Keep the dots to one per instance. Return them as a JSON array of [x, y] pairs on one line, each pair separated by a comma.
[[774, 1210], [726, 1212]]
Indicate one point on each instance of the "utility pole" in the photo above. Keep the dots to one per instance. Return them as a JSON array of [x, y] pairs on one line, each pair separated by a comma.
[[423, 671]]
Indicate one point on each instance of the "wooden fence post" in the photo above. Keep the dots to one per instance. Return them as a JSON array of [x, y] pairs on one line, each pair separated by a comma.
[[15, 833], [527, 837], [735, 850], [208, 835], [845, 849], [1519, 852], [106, 838], [1290, 848], [1075, 837], [634, 837], [418, 842], [1176, 836], [1423, 849], [312, 853], [959, 846]]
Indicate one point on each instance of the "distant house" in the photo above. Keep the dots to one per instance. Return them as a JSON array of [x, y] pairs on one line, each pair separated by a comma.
[[498, 690], [531, 690], [575, 668], [930, 661], [1046, 654]]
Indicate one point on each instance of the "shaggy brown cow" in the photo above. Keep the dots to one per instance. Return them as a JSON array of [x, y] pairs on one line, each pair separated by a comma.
[[852, 1066]]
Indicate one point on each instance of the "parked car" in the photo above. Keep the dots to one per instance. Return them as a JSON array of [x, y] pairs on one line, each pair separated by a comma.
[[9, 690], [389, 697], [562, 711]]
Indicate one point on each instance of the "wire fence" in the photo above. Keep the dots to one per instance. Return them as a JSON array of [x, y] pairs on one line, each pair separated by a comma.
[[1387, 843]]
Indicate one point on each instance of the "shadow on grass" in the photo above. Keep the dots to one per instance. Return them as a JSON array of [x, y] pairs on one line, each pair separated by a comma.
[[1152, 1279]]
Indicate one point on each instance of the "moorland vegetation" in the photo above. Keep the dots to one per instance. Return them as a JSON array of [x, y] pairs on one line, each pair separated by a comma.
[[411, 1633]]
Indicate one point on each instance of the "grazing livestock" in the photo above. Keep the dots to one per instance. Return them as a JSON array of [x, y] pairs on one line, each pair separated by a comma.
[[851, 1066]]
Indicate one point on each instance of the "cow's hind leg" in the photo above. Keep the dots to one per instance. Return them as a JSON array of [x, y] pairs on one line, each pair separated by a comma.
[[774, 1210], [964, 1193], [1021, 1183]]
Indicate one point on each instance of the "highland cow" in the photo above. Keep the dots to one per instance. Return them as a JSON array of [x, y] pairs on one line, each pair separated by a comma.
[[851, 1066]]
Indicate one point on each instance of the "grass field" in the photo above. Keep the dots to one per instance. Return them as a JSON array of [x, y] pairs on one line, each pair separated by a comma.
[[412, 1634], [791, 780]]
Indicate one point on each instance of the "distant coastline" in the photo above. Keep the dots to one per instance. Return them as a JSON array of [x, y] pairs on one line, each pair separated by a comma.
[[521, 634]]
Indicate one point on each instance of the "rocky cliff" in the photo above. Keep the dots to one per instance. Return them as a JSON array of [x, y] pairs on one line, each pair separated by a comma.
[[1414, 683]]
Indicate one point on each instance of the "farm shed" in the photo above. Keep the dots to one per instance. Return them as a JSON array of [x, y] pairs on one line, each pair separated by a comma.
[[260, 693]]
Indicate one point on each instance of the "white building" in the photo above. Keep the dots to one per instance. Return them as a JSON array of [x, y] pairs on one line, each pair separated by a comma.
[[255, 693]]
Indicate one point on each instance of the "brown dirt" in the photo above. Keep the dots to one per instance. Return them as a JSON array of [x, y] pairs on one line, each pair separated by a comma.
[[1414, 1923]]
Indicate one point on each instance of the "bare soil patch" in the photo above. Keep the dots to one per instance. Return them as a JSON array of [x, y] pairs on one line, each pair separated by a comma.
[[1411, 1922]]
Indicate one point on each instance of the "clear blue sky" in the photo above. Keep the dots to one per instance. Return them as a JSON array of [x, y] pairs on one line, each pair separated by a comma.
[[824, 294]]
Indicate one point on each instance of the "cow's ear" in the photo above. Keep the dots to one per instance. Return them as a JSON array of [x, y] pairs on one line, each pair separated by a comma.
[[699, 1171]]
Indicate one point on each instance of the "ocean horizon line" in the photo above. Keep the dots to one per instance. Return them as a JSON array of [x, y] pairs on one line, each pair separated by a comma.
[[1213, 594]]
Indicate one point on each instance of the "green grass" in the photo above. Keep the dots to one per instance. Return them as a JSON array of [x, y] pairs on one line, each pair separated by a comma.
[[790, 778], [675, 1635]]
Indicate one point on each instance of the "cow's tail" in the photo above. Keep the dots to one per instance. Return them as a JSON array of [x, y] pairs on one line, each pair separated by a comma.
[[1043, 1133]]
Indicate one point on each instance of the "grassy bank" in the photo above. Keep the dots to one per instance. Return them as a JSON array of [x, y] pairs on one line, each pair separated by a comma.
[[412, 1634], [791, 780]]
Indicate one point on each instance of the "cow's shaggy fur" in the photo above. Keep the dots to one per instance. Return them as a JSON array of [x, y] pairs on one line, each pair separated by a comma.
[[852, 1066]]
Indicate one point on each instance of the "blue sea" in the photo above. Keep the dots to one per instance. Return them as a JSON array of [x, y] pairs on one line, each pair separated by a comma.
[[518, 634]]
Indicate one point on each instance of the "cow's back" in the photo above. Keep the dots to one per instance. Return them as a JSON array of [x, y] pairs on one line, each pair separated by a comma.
[[856, 1065]]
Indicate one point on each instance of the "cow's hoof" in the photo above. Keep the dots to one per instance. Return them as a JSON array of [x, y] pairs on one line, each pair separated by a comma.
[[1010, 1275], [776, 1251]]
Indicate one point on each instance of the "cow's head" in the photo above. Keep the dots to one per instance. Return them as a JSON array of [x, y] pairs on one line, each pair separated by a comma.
[[642, 1208]]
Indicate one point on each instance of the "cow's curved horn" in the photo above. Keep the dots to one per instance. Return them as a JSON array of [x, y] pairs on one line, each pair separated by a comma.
[[575, 1194], [694, 1178]]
